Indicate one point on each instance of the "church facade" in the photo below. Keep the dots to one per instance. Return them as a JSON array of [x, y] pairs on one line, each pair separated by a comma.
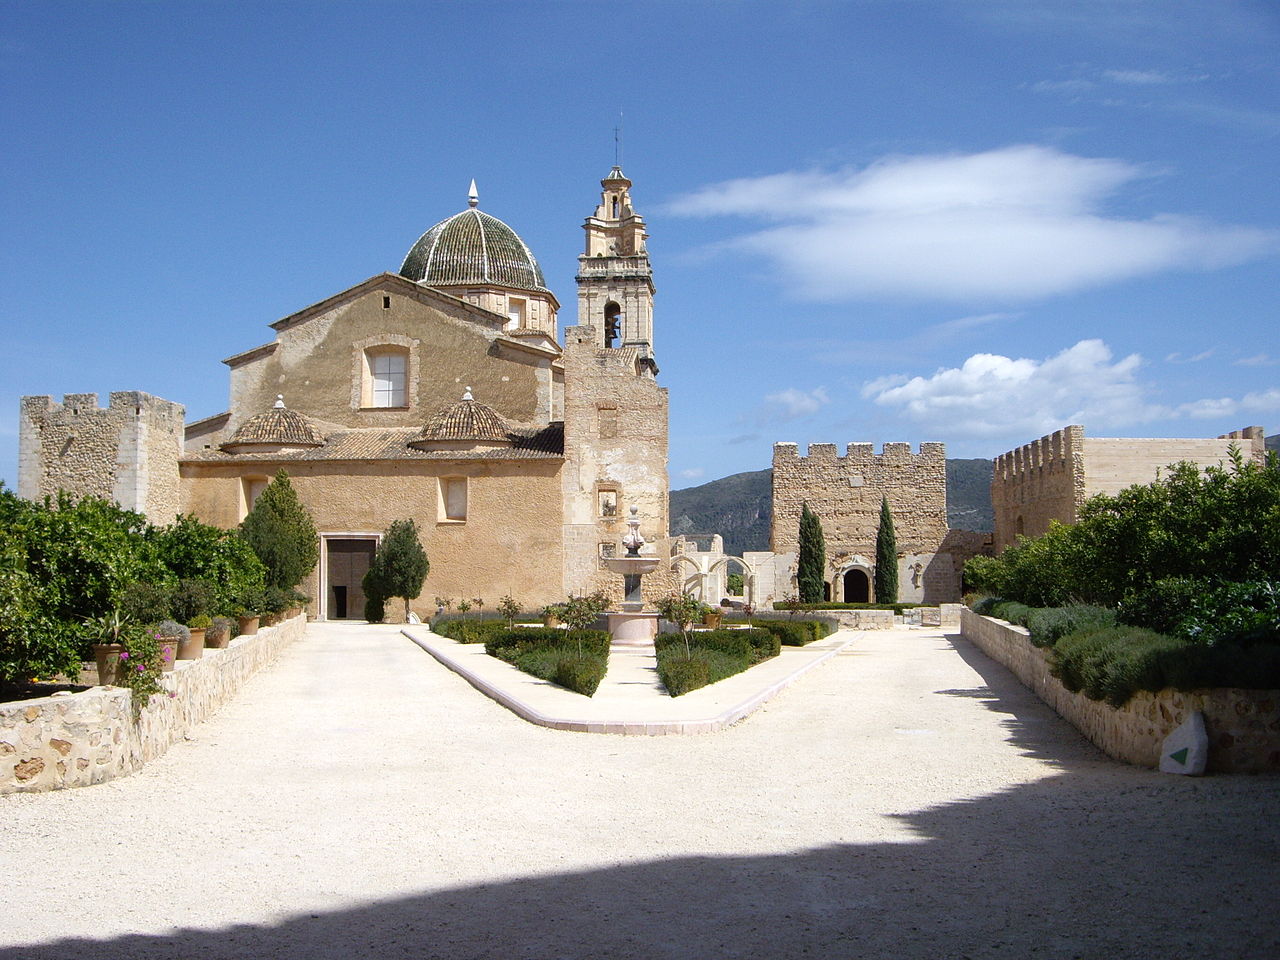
[[439, 393]]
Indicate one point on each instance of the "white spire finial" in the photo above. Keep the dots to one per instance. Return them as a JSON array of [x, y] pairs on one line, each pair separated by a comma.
[[467, 395], [279, 401], [473, 198]]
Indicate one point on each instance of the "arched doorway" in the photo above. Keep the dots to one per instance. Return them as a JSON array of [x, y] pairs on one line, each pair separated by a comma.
[[857, 586]]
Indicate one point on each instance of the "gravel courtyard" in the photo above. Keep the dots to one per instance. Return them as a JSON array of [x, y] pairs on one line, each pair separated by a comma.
[[908, 799]]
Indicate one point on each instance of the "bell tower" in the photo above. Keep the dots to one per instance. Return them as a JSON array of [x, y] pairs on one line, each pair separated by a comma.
[[615, 281]]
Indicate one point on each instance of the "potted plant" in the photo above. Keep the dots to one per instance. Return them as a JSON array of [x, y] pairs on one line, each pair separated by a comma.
[[141, 663], [551, 614], [109, 630], [248, 610], [169, 633], [274, 603], [218, 634], [711, 617], [300, 601], [192, 648]]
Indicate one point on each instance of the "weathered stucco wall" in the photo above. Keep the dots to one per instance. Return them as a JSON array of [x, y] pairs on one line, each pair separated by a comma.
[[127, 451], [77, 739], [1243, 725], [509, 543], [316, 360]]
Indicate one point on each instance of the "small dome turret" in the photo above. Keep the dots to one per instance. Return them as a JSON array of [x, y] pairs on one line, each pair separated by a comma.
[[278, 429], [467, 424]]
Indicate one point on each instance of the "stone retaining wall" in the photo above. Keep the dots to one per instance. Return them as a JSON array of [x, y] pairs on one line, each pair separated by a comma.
[[1243, 725], [75, 739]]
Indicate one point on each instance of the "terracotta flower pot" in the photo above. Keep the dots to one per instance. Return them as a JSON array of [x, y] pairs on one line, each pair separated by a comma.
[[712, 619], [108, 657], [248, 626], [551, 620], [168, 653], [193, 647], [217, 641]]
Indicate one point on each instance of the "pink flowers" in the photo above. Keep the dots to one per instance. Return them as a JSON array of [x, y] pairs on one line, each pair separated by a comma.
[[141, 668], [124, 654]]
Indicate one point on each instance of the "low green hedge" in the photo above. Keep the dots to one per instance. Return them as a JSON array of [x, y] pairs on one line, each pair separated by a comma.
[[712, 655], [895, 607], [576, 660]]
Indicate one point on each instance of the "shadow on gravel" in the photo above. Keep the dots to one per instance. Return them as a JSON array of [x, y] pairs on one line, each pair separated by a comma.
[[1113, 864], [1027, 715]]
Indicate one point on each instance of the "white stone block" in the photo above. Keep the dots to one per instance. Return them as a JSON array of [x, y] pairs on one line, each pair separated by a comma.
[[1186, 749]]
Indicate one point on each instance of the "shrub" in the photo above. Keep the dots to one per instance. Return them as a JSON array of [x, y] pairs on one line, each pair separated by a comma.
[[141, 663], [581, 674], [812, 561], [886, 577], [171, 630], [191, 599], [192, 550], [792, 633], [471, 630], [399, 565], [220, 628], [1011, 611], [681, 673], [1113, 663], [984, 605], [1049, 624], [281, 533], [374, 609], [145, 602]]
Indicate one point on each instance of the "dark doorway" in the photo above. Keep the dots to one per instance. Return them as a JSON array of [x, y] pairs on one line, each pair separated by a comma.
[[857, 587], [348, 561]]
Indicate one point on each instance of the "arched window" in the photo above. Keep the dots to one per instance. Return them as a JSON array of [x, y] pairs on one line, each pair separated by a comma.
[[612, 324]]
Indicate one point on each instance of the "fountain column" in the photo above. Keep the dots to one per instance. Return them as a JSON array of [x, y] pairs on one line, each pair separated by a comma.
[[632, 624]]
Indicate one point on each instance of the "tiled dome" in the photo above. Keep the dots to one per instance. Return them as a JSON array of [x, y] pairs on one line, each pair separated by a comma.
[[278, 427], [466, 422], [472, 248]]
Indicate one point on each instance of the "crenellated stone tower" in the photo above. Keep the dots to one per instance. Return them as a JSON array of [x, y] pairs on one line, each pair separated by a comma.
[[615, 281], [615, 414]]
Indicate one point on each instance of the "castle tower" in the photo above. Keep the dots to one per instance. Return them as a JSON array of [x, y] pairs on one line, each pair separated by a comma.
[[615, 281]]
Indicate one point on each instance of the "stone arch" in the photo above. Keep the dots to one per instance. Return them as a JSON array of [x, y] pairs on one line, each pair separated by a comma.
[[748, 575], [694, 583], [854, 581]]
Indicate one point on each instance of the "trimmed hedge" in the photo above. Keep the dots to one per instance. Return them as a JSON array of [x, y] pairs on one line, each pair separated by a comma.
[[794, 633], [713, 655], [1048, 625], [895, 607], [576, 660]]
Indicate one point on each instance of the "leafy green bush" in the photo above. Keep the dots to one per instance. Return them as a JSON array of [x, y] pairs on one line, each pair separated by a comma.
[[375, 610], [681, 672], [145, 602], [471, 629], [195, 551], [794, 633], [281, 533], [191, 599], [1049, 624], [576, 660], [1011, 611], [984, 605], [581, 674]]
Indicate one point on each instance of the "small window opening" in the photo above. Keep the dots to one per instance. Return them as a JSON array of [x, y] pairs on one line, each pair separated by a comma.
[[612, 324], [615, 208], [387, 379], [453, 496], [386, 303], [516, 312]]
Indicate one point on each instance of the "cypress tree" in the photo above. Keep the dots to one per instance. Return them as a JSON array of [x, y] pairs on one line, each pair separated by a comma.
[[813, 557], [282, 534], [399, 565], [886, 557]]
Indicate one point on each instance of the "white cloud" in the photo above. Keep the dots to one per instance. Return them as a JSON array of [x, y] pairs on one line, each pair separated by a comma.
[[1257, 360], [693, 473], [1196, 358], [1019, 223], [995, 396], [1141, 78], [791, 404], [1264, 401]]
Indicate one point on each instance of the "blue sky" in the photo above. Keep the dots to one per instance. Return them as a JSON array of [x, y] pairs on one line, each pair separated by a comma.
[[883, 220]]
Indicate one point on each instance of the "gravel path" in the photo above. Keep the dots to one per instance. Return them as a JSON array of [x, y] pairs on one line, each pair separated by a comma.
[[908, 799]]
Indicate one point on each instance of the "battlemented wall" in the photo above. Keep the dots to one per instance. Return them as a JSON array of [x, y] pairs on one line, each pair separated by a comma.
[[1050, 478], [127, 452], [846, 492]]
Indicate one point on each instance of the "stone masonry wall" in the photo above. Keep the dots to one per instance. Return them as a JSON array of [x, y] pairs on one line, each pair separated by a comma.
[[127, 452], [73, 740], [1050, 478], [845, 492], [615, 454], [1243, 725]]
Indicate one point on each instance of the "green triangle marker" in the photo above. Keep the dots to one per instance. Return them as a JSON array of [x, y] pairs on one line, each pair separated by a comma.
[[1180, 756]]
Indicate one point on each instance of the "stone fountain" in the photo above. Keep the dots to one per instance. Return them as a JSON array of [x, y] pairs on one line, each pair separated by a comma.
[[632, 624]]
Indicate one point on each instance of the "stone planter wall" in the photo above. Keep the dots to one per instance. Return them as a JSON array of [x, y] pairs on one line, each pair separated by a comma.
[[72, 740], [1243, 725]]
